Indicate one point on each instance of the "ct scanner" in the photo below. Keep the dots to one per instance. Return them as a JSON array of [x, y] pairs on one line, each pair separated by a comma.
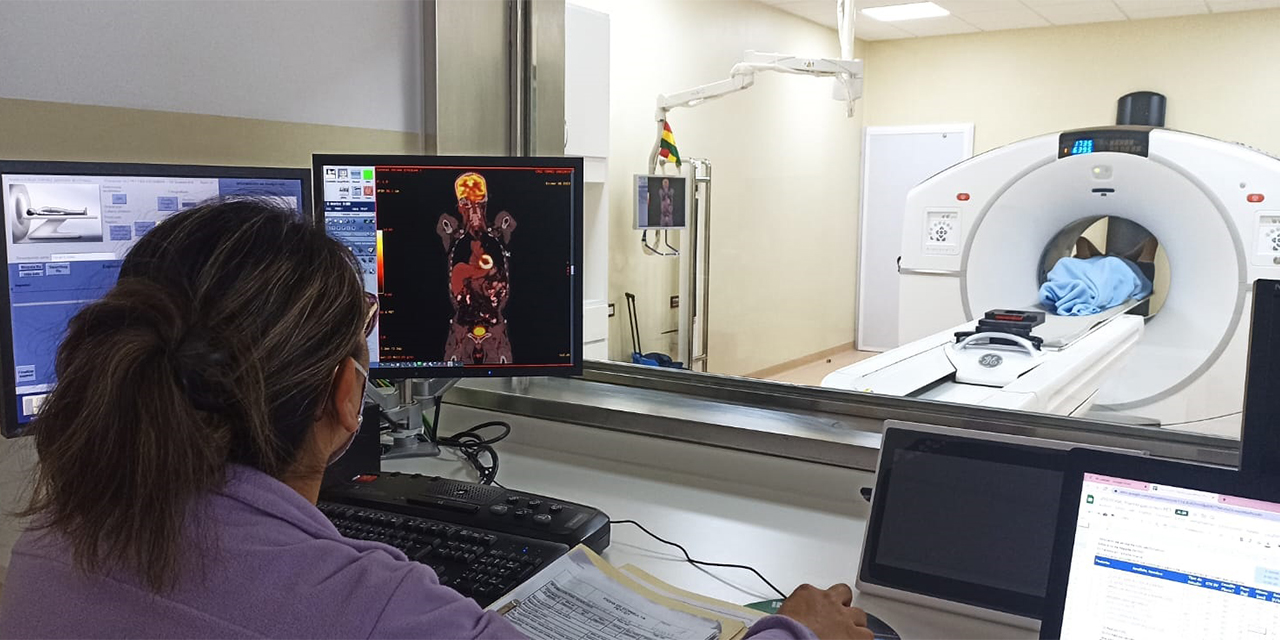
[[982, 234]]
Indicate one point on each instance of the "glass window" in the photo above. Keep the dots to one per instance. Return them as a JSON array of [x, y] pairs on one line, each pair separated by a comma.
[[953, 240]]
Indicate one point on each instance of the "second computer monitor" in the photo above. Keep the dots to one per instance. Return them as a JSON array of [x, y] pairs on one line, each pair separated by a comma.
[[475, 260], [67, 228]]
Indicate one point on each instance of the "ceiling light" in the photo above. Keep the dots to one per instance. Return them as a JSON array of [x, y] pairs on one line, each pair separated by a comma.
[[898, 12]]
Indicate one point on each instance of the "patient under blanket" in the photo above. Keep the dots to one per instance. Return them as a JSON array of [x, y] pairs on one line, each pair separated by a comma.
[[1085, 286]]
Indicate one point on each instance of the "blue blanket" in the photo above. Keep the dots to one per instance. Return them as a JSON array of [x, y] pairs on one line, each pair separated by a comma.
[[1083, 287]]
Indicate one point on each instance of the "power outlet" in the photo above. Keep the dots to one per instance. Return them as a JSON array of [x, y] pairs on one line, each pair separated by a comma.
[[612, 309], [675, 302]]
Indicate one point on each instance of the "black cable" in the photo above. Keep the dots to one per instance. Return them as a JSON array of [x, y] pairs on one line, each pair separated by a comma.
[[471, 445], [435, 422], [1183, 424], [690, 559]]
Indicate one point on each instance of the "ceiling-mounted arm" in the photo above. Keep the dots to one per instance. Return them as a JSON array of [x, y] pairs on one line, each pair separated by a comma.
[[847, 73], [698, 95]]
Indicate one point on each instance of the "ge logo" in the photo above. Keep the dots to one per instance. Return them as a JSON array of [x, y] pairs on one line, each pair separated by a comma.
[[991, 360]]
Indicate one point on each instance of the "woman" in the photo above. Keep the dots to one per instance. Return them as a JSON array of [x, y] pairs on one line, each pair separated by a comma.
[[181, 453]]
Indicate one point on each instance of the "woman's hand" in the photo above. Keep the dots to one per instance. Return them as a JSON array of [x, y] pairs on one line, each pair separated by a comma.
[[827, 612]]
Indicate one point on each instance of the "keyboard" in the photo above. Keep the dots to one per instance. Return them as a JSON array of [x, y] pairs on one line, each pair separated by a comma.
[[480, 564]]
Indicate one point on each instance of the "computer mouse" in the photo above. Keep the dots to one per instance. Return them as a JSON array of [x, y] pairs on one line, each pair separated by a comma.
[[882, 630]]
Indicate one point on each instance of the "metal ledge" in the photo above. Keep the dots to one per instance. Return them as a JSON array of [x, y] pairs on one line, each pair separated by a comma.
[[806, 423]]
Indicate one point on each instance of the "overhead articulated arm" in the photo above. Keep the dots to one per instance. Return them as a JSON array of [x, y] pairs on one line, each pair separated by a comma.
[[847, 73]]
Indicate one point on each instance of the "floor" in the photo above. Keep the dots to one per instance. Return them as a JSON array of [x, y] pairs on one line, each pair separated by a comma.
[[812, 373]]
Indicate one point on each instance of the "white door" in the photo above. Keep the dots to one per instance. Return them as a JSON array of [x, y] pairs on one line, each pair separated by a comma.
[[894, 160]]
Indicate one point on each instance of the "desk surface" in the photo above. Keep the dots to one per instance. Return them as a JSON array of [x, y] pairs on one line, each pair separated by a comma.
[[785, 518]]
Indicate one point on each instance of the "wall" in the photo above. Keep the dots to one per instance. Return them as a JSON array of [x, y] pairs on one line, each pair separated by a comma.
[[785, 181], [342, 62], [1217, 70], [247, 83]]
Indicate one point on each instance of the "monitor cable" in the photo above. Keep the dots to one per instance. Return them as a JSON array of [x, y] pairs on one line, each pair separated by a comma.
[[472, 445], [702, 563]]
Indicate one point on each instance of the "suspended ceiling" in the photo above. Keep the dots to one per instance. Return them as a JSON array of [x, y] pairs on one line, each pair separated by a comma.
[[972, 16]]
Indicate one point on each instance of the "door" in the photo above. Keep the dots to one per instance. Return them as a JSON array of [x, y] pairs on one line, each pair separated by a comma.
[[894, 160]]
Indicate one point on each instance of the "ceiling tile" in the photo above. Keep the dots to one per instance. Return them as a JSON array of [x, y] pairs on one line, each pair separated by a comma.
[[943, 26], [868, 29], [996, 15], [1142, 9], [960, 7], [823, 13], [864, 4], [1224, 6], [1059, 12], [1014, 17]]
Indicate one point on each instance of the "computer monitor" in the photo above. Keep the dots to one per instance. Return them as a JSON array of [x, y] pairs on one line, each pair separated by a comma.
[[1151, 549], [1260, 428], [67, 227], [662, 202], [475, 260]]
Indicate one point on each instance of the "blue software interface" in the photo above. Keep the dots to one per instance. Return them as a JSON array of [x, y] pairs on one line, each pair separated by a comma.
[[66, 237]]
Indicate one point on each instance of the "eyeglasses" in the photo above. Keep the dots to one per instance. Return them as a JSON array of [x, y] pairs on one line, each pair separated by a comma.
[[371, 316]]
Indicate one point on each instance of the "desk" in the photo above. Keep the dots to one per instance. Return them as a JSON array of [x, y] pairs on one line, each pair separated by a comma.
[[795, 522]]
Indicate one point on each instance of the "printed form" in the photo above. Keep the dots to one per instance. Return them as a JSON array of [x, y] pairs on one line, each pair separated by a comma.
[[582, 596]]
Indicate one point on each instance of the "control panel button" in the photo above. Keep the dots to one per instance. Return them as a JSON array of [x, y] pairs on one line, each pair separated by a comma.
[[542, 519]]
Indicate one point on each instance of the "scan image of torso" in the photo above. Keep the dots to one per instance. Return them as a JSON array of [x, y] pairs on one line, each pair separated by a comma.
[[479, 276]]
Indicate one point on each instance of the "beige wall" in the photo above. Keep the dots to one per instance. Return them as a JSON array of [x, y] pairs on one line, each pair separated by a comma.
[[1219, 72], [35, 130], [785, 181]]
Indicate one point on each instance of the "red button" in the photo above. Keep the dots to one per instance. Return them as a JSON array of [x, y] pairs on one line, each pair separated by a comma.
[[962, 197], [365, 478], [1256, 197]]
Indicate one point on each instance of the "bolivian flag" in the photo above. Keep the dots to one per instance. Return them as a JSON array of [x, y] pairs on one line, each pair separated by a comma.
[[667, 147]]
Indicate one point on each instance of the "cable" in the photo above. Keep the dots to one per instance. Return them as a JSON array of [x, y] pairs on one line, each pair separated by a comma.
[[434, 425], [1180, 424], [690, 559], [470, 444]]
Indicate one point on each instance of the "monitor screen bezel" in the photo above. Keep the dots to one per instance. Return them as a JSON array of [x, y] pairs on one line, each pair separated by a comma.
[[8, 377], [574, 368], [1050, 458], [1220, 480]]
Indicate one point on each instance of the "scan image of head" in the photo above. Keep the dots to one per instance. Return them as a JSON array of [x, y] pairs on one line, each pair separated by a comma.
[[479, 275]]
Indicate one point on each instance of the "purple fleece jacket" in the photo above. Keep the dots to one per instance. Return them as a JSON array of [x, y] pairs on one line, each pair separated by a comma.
[[280, 570]]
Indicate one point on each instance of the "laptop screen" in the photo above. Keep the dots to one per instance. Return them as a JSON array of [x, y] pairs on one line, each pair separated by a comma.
[[1160, 561]]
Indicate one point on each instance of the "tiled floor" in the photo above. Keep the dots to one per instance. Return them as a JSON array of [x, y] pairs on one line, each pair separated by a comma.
[[812, 373]]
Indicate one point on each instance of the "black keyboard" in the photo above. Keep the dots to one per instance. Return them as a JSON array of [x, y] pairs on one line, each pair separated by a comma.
[[480, 564]]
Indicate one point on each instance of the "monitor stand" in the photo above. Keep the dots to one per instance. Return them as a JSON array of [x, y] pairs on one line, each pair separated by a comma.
[[408, 437]]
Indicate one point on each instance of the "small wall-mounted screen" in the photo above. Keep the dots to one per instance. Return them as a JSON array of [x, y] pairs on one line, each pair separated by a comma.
[[662, 202]]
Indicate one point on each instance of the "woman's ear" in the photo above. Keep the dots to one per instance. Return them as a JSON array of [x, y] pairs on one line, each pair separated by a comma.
[[348, 395]]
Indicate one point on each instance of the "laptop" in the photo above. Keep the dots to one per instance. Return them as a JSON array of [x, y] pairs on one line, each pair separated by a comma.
[[964, 521], [1153, 549]]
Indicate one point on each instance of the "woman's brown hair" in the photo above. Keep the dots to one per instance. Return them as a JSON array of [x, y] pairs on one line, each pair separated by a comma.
[[217, 345]]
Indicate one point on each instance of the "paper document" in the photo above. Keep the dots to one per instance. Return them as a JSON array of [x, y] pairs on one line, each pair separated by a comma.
[[740, 613], [581, 596]]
